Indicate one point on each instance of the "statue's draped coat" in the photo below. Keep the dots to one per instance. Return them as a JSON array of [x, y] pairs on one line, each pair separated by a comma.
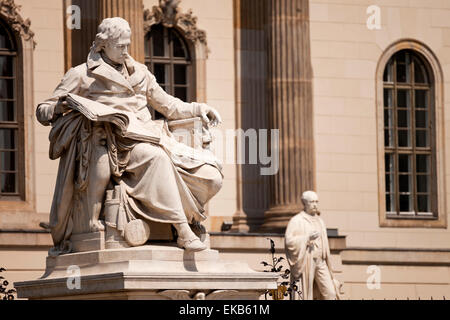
[[299, 253]]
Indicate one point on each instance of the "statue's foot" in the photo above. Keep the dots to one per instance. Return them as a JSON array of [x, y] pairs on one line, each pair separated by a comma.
[[97, 225], [193, 245]]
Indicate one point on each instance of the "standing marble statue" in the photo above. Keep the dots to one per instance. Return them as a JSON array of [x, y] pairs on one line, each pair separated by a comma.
[[308, 252], [161, 181]]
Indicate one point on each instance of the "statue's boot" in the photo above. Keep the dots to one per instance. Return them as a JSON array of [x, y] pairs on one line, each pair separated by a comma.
[[187, 239], [193, 245]]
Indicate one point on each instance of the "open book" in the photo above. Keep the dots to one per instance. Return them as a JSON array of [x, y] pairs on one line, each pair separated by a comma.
[[128, 125]]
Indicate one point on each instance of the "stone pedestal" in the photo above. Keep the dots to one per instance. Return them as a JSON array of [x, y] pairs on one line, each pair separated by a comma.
[[147, 272]]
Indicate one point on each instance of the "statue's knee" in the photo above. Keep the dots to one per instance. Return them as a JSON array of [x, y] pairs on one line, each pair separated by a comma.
[[150, 153], [215, 182]]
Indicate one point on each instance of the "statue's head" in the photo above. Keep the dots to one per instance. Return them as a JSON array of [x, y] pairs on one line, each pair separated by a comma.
[[113, 39], [311, 202]]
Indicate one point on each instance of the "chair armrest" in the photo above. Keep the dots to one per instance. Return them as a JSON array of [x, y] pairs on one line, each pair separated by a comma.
[[191, 131]]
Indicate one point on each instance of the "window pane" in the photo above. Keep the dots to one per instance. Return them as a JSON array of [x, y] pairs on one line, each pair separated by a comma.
[[389, 183], [419, 72], [423, 163], [403, 73], [160, 72], [8, 161], [403, 118], [388, 138], [401, 56], [422, 183], [4, 39], [389, 162], [388, 74], [6, 66], [7, 139], [405, 183], [390, 203], [6, 89], [403, 99], [421, 119], [147, 45], [405, 203], [388, 98], [7, 111], [423, 203], [8, 183], [157, 33], [180, 74], [404, 138], [181, 93], [422, 99], [422, 138], [178, 47], [404, 163], [388, 118]]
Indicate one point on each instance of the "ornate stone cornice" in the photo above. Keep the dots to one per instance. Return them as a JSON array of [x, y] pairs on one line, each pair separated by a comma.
[[10, 12], [169, 15]]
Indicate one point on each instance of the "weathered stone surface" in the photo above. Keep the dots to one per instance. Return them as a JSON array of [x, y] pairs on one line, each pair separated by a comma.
[[137, 233], [144, 273]]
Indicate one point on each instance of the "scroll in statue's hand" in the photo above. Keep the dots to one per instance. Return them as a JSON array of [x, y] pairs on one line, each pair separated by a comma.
[[210, 115]]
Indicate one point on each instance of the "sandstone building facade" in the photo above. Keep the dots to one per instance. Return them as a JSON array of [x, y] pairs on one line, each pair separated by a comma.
[[359, 90]]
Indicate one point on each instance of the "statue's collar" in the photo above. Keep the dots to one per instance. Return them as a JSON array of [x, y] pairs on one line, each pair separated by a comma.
[[95, 59], [98, 66], [308, 216]]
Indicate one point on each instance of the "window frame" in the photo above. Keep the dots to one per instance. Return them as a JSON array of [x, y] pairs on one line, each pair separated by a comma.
[[436, 134], [171, 61], [18, 124]]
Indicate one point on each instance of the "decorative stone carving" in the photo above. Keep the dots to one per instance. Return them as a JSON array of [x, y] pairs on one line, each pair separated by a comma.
[[169, 15], [10, 12], [137, 232], [199, 295]]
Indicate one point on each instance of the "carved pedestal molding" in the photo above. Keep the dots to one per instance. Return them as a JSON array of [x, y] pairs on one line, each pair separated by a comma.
[[290, 108], [130, 10], [148, 272]]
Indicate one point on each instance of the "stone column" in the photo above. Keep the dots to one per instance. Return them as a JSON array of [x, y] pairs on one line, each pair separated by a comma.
[[77, 42], [290, 109], [133, 12], [251, 108]]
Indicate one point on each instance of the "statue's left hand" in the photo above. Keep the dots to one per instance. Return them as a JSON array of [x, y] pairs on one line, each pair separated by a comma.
[[210, 115]]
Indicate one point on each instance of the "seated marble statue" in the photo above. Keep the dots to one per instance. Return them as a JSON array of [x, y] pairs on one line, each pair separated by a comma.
[[160, 179]]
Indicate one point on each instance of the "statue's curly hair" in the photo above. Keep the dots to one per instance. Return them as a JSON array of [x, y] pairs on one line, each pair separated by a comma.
[[110, 29]]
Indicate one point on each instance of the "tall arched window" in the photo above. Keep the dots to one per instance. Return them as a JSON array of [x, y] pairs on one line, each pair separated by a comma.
[[11, 118], [167, 56], [409, 137]]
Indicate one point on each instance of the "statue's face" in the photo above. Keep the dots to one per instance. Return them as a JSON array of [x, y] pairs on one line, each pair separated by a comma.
[[117, 49], [312, 205]]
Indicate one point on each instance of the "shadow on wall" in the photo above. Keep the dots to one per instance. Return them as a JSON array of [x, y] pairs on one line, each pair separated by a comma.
[[253, 109]]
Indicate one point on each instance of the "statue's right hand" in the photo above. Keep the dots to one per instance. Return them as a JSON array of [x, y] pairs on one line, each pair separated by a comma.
[[314, 235], [61, 107]]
